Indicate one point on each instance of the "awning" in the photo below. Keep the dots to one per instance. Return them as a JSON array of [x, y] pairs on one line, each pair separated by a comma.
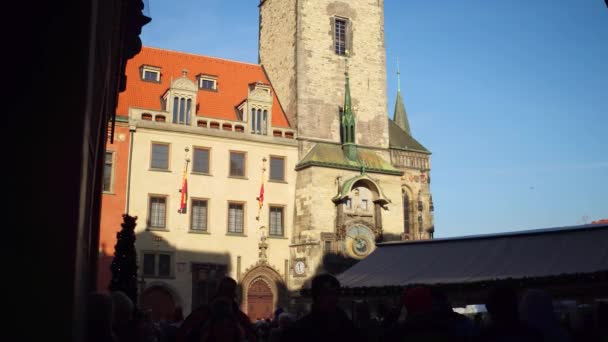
[[528, 254]]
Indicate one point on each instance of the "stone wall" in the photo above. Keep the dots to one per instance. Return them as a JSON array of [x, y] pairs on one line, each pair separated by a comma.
[[277, 51], [320, 71], [297, 51]]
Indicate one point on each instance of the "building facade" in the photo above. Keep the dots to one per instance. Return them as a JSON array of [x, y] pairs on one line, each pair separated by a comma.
[[269, 173]]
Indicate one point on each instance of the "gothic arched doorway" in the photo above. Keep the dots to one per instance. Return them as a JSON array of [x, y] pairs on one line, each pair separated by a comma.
[[160, 301], [259, 300]]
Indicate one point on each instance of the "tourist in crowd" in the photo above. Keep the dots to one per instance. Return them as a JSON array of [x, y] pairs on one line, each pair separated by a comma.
[[190, 329], [326, 321], [285, 321], [505, 324], [536, 310]]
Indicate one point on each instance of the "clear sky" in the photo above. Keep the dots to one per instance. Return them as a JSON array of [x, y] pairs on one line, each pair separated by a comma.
[[510, 96]]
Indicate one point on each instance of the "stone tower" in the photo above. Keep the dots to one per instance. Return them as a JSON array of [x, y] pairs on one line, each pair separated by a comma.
[[304, 46], [326, 60]]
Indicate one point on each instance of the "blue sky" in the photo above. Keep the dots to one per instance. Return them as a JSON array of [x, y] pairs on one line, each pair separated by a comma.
[[510, 96]]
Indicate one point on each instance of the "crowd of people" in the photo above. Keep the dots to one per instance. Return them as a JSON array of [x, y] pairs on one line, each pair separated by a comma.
[[425, 314]]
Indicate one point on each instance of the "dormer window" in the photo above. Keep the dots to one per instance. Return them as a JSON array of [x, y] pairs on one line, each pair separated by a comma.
[[206, 82], [150, 73]]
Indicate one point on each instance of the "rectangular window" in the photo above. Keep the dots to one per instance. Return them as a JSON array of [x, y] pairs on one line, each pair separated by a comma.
[[208, 84], [158, 212], [164, 265], [277, 168], [160, 156], [157, 265], [364, 204], [150, 73], [237, 164], [340, 26], [235, 217], [198, 220], [348, 204], [149, 265], [108, 171], [276, 221], [327, 246], [200, 160]]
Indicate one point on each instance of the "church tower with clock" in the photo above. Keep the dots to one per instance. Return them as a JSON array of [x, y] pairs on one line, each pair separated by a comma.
[[361, 177]]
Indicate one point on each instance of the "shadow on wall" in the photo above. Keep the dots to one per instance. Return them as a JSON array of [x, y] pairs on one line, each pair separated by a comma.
[[170, 277]]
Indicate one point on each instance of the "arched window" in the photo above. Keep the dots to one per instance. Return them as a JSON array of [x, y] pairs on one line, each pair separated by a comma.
[[264, 121], [175, 107], [406, 213], [182, 106], [188, 109], [258, 129]]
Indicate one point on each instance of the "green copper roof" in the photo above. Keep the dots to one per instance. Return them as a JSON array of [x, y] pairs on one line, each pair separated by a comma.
[[331, 155], [399, 139], [400, 115]]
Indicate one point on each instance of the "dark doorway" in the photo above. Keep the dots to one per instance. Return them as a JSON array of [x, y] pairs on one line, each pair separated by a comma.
[[160, 302]]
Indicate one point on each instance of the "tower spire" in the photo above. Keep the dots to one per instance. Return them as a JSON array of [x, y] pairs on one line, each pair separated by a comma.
[[347, 121], [400, 115], [398, 77]]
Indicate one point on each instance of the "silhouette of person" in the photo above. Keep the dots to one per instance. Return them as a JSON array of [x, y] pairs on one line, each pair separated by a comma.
[[326, 321]]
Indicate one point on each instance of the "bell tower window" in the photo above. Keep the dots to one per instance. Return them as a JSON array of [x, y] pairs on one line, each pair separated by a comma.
[[340, 36]]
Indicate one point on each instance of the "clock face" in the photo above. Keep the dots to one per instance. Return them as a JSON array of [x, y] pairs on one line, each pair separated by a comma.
[[359, 241], [299, 267]]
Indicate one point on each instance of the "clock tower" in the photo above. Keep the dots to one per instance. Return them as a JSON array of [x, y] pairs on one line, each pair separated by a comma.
[[326, 61]]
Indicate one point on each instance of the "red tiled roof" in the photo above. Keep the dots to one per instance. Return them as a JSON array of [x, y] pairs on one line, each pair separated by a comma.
[[233, 79], [602, 221]]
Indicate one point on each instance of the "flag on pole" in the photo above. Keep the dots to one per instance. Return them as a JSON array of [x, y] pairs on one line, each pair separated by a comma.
[[183, 203], [260, 197]]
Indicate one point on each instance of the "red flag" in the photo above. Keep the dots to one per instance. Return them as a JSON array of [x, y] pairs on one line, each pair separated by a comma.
[[261, 197], [183, 203]]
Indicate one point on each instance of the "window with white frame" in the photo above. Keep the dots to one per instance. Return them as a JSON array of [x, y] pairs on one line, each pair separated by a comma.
[[207, 83], [150, 73]]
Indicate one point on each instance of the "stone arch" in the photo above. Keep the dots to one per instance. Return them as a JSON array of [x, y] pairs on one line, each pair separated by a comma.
[[366, 181], [161, 299], [271, 277]]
